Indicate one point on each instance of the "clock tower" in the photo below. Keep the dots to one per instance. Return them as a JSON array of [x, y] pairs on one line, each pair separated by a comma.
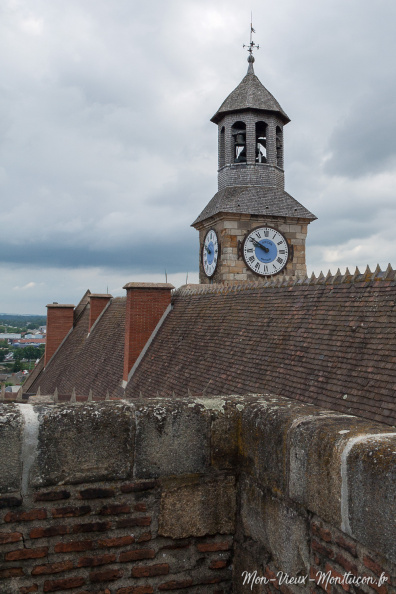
[[251, 229]]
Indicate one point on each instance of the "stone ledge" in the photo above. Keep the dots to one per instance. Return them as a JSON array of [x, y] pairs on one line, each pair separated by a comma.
[[339, 467]]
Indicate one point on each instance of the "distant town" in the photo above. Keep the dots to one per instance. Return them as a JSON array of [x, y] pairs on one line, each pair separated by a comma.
[[22, 343]]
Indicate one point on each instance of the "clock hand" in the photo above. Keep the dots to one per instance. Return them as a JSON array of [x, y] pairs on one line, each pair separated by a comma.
[[207, 249], [258, 244]]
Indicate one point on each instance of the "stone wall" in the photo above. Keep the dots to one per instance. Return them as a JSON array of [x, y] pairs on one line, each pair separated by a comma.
[[232, 229], [171, 495]]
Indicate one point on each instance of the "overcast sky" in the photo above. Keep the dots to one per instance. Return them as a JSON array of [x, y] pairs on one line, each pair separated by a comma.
[[107, 154]]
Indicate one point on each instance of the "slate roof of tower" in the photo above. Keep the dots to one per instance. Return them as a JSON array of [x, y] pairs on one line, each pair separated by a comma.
[[258, 200], [249, 94]]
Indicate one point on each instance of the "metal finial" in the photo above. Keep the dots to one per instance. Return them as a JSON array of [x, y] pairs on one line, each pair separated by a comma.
[[251, 46]]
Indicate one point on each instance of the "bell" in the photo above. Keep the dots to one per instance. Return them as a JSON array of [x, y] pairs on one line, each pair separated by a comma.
[[239, 139]]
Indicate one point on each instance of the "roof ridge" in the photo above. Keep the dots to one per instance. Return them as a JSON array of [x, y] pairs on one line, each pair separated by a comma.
[[288, 281]]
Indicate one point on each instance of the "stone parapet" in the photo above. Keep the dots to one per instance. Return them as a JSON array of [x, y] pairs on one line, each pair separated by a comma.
[[121, 485]]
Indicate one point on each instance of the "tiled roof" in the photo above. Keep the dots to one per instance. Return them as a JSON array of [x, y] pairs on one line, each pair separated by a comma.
[[258, 200], [327, 341], [85, 363], [249, 94]]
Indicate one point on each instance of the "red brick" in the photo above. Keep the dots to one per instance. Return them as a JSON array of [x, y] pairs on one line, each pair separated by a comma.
[[136, 590], [96, 493], [374, 566], [380, 589], [27, 589], [321, 549], [144, 537], [7, 537], [110, 510], [131, 522], [48, 532], [10, 502], [26, 554], [177, 544], [219, 564], [137, 554], [120, 541], [176, 585], [348, 545], [271, 576], [52, 568], [94, 561], [34, 514], [346, 564], [91, 527], [136, 487], [59, 322], [144, 309], [11, 572], [313, 574], [208, 547], [214, 580], [105, 576], [140, 507], [318, 530], [335, 574], [150, 570], [64, 584], [74, 545], [97, 303], [52, 496], [70, 512]]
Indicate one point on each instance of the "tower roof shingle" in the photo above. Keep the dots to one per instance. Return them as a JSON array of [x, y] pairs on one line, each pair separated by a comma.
[[260, 200], [249, 94]]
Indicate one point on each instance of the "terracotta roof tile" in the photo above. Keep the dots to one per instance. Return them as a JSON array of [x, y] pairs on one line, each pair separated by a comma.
[[321, 343], [88, 362]]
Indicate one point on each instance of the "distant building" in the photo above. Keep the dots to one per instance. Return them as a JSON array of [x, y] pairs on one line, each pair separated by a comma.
[[4, 336]]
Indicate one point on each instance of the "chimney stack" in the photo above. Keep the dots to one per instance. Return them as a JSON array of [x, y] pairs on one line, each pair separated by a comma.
[[59, 322], [97, 303], [146, 304]]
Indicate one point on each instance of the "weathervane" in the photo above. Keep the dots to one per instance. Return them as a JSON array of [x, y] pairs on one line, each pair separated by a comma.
[[251, 45]]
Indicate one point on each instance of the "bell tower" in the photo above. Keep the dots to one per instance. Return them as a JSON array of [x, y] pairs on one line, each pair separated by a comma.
[[243, 229]]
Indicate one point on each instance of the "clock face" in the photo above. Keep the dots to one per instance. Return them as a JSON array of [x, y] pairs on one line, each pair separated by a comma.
[[265, 251], [210, 253]]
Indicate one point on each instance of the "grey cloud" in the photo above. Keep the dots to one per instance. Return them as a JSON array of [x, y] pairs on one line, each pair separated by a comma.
[[364, 143], [150, 254]]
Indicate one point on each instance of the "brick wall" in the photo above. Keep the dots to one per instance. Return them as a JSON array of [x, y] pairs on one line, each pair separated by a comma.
[[97, 303], [146, 304], [103, 537], [190, 495], [59, 322]]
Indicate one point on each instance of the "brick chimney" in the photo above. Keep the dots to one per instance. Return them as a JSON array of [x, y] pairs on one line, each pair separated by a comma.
[[59, 322], [97, 303], [146, 304]]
